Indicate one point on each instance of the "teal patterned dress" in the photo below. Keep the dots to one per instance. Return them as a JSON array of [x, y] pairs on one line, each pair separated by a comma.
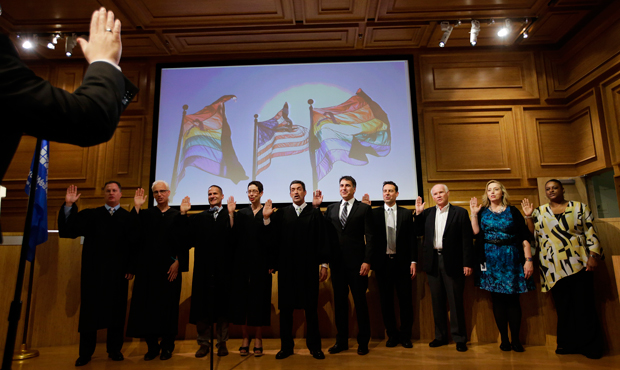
[[503, 237]]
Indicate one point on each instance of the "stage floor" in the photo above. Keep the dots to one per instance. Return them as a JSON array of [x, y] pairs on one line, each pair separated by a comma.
[[484, 356]]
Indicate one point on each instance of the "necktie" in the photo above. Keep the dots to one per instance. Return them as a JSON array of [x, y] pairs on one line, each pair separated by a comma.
[[111, 211], [298, 210], [215, 211], [343, 215], [391, 231]]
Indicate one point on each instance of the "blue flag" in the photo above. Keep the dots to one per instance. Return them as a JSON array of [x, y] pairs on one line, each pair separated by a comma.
[[38, 228]]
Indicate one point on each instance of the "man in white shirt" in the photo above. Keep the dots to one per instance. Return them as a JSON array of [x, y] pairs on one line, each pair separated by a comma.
[[448, 259]]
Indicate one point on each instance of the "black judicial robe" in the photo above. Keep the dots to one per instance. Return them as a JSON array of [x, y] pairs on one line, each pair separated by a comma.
[[213, 253], [251, 301], [107, 255], [300, 247], [154, 307]]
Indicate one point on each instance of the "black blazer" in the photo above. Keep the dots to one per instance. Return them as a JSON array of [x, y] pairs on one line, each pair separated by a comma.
[[32, 106], [457, 243], [353, 245], [406, 247]]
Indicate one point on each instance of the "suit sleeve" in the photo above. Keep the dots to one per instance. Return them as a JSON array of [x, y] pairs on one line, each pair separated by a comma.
[[467, 233], [419, 223], [411, 237], [75, 224], [85, 117], [369, 234]]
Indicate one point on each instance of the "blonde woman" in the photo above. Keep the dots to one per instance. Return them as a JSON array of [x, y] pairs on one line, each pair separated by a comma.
[[569, 252], [506, 266]]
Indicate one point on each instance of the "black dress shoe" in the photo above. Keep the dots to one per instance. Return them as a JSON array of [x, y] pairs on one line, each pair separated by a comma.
[[407, 343], [203, 351], [362, 350], [282, 354], [437, 343], [517, 347], [81, 361], [391, 342], [165, 354], [461, 346], [336, 348], [318, 354], [505, 347], [116, 356], [150, 355], [222, 350]]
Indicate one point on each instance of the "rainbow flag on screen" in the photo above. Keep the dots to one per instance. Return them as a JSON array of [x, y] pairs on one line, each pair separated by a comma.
[[348, 132], [278, 137], [206, 144]]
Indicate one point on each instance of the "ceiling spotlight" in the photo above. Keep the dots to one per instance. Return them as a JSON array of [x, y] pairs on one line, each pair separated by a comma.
[[505, 30], [475, 31], [70, 42], [51, 43], [447, 30], [29, 42], [525, 35]]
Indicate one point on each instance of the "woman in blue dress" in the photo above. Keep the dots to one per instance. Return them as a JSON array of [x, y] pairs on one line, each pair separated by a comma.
[[506, 266]]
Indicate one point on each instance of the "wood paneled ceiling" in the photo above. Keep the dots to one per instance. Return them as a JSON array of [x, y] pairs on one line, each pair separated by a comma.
[[203, 27]]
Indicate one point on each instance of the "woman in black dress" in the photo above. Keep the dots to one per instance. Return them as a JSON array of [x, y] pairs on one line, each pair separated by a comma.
[[252, 278]]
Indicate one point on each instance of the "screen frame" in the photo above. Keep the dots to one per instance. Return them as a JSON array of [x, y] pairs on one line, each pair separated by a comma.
[[284, 61]]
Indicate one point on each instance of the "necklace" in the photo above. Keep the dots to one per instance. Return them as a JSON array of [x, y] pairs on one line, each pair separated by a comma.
[[500, 210]]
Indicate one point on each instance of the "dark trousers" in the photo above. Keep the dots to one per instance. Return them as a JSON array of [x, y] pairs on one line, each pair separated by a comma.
[[167, 343], [579, 330], [313, 337], [342, 280], [507, 312], [442, 287], [392, 276], [114, 340]]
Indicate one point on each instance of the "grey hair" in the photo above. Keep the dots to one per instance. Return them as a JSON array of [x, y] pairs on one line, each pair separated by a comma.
[[160, 182], [445, 187]]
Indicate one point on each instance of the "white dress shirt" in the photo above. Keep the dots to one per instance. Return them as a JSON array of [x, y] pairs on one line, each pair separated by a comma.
[[441, 216], [386, 210]]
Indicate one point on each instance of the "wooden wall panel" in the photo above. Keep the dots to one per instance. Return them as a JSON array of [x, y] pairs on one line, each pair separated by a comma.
[[470, 144], [565, 140], [506, 76], [138, 74], [320, 11], [611, 104], [406, 36], [260, 40], [586, 58], [123, 159]]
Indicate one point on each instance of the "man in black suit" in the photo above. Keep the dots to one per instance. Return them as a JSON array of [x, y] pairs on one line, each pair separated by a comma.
[[88, 116], [350, 257], [211, 237], [448, 258], [395, 264], [107, 265], [299, 247]]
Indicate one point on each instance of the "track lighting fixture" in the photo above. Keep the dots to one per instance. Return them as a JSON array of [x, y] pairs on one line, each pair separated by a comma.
[[70, 42], [475, 31], [505, 30], [447, 30]]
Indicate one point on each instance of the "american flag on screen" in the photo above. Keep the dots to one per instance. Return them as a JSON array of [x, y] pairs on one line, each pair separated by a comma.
[[279, 137]]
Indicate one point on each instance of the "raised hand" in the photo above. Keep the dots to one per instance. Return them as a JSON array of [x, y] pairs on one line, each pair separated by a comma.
[[419, 206], [104, 42], [317, 199], [185, 205], [139, 198], [366, 199], [474, 207], [173, 270], [231, 205], [528, 208], [267, 209], [72, 195]]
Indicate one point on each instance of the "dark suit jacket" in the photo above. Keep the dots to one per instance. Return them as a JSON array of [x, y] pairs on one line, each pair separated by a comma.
[[406, 247], [32, 106], [350, 249], [457, 240]]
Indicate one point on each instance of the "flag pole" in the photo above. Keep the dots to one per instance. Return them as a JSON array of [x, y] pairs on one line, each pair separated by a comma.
[[16, 305], [173, 182], [24, 353], [254, 163], [312, 149]]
